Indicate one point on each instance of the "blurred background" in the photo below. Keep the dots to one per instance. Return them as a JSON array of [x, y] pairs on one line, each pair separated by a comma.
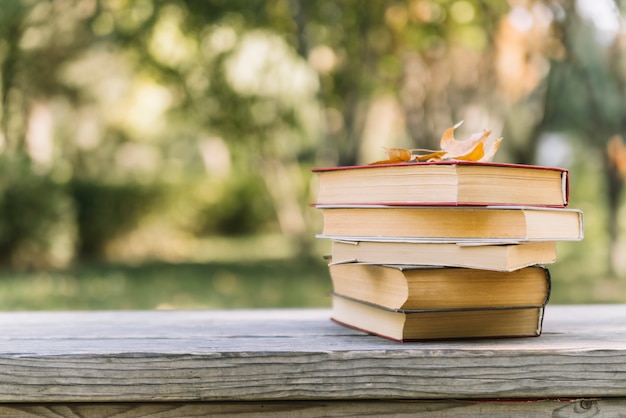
[[157, 153]]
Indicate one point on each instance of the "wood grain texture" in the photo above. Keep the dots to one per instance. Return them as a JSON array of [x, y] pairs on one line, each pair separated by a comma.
[[307, 409], [174, 356]]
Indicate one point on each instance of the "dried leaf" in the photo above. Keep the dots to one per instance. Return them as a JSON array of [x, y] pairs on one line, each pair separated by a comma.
[[491, 152], [457, 148], [432, 156], [395, 155], [398, 154], [394, 161], [448, 134], [474, 155], [477, 147]]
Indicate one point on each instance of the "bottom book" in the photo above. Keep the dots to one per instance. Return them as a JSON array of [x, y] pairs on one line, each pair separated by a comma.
[[416, 325]]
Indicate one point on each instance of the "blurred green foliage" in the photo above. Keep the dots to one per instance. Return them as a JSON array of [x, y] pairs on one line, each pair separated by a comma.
[[241, 210], [105, 212], [135, 130], [37, 219]]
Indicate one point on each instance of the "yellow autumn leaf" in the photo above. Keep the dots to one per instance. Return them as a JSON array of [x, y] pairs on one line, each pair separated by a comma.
[[477, 147], [474, 155], [491, 152], [395, 155], [398, 154], [456, 148], [448, 135], [431, 156]]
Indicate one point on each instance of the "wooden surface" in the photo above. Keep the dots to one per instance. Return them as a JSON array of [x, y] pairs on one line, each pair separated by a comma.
[[304, 409], [273, 357]]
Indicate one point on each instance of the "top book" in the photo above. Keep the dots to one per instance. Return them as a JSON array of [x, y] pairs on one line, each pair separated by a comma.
[[454, 183]]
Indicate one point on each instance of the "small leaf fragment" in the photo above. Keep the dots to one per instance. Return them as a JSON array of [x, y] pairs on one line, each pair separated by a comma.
[[395, 156], [388, 161], [398, 154], [433, 156]]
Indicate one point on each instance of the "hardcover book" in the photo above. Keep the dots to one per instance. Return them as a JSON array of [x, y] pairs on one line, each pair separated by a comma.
[[497, 223], [444, 183], [478, 255], [422, 288], [405, 325]]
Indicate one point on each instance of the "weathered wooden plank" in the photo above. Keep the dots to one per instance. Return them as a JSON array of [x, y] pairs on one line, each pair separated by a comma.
[[297, 355], [310, 409]]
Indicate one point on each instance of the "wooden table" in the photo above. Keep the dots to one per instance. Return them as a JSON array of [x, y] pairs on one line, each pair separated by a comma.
[[299, 363]]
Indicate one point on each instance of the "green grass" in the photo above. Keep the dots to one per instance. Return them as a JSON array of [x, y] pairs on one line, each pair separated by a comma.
[[221, 273], [158, 285]]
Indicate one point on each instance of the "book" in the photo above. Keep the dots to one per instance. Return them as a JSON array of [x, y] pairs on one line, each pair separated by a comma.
[[444, 183], [453, 223], [421, 287], [478, 255], [408, 325]]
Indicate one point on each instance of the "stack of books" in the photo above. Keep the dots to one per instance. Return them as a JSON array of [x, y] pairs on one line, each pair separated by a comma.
[[446, 249]]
